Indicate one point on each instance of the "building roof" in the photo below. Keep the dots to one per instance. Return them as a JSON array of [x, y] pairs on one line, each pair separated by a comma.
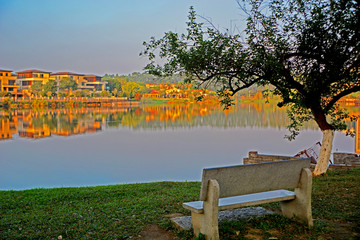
[[67, 73], [154, 92], [32, 71], [3, 70]]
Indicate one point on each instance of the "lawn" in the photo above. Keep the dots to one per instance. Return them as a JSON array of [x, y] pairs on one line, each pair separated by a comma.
[[123, 211]]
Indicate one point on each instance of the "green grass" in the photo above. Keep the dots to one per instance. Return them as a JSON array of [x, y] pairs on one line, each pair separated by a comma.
[[106, 212], [122, 211]]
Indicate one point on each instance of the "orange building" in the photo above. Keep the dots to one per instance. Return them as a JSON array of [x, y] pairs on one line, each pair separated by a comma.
[[153, 94], [27, 77], [8, 82]]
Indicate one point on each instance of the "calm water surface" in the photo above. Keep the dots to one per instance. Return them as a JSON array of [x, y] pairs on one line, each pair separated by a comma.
[[89, 147]]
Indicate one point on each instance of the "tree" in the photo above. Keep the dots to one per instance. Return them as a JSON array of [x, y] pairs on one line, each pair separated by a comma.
[[308, 50], [3, 93], [130, 89], [114, 82], [68, 83], [104, 93], [50, 87], [36, 87], [115, 92], [138, 96], [78, 93]]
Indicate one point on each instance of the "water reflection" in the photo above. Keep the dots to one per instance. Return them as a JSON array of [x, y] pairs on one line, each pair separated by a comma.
[[148, 143], [65, 122]]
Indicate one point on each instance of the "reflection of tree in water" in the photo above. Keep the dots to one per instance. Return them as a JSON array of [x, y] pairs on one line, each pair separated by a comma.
[[114, 120], [158, 117], [51, 121], [65, 123], [132, 118], [195, 115], [37, 121]]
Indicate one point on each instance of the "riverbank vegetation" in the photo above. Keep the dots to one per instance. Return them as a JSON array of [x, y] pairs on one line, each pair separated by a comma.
[[55, 103], [123, 211]]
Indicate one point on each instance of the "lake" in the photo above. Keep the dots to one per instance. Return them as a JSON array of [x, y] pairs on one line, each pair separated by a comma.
[[101, 146]]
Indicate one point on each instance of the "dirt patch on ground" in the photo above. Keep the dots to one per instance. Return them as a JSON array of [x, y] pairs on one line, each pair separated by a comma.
[[154, 232]]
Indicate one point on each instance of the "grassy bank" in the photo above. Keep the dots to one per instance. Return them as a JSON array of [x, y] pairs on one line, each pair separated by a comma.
[[122, 211]]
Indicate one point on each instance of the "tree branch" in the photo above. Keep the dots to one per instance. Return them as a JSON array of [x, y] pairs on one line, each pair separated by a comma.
[[339, 96]]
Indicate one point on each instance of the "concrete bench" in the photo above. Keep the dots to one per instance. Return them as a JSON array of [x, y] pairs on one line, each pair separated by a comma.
[[226, 188]]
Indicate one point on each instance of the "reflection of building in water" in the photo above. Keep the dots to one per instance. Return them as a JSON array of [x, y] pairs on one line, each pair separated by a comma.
[[78, 128], [32, 132], [357, 140], [8, 127], [26, 129]]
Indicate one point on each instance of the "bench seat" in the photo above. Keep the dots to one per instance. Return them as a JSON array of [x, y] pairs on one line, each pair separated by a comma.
[[229, 203]]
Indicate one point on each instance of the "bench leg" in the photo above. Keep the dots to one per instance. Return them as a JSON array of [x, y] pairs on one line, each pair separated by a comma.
[[300, 207], [207, 223]]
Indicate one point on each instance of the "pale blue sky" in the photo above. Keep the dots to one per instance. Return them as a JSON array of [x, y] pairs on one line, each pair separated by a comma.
[[95, 36]]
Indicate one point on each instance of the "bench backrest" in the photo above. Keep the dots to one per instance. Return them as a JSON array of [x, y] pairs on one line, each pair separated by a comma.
[[254, 178]]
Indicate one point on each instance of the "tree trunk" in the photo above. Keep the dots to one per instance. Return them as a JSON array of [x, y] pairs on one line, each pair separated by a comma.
[[325, 152]]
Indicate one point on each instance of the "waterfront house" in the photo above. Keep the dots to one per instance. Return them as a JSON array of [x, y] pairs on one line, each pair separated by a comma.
[[94, 82], [78, 78], [27, 77], [152, 94], [8, 82]]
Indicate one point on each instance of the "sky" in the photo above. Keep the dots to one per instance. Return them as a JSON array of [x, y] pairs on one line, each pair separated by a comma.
[[95, 36]]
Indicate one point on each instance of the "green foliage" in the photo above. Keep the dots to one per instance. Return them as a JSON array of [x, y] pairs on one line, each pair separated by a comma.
[[36, 87], [6, 103], [50, 86], [104, 93], [68, 83], [78, 93], [114, 82], [95, 94], [129, 89], [4, 94], [307, 50]]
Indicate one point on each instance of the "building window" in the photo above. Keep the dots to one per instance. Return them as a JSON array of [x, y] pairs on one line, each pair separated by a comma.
[[41, 75], [35, 75], [11, 82]]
